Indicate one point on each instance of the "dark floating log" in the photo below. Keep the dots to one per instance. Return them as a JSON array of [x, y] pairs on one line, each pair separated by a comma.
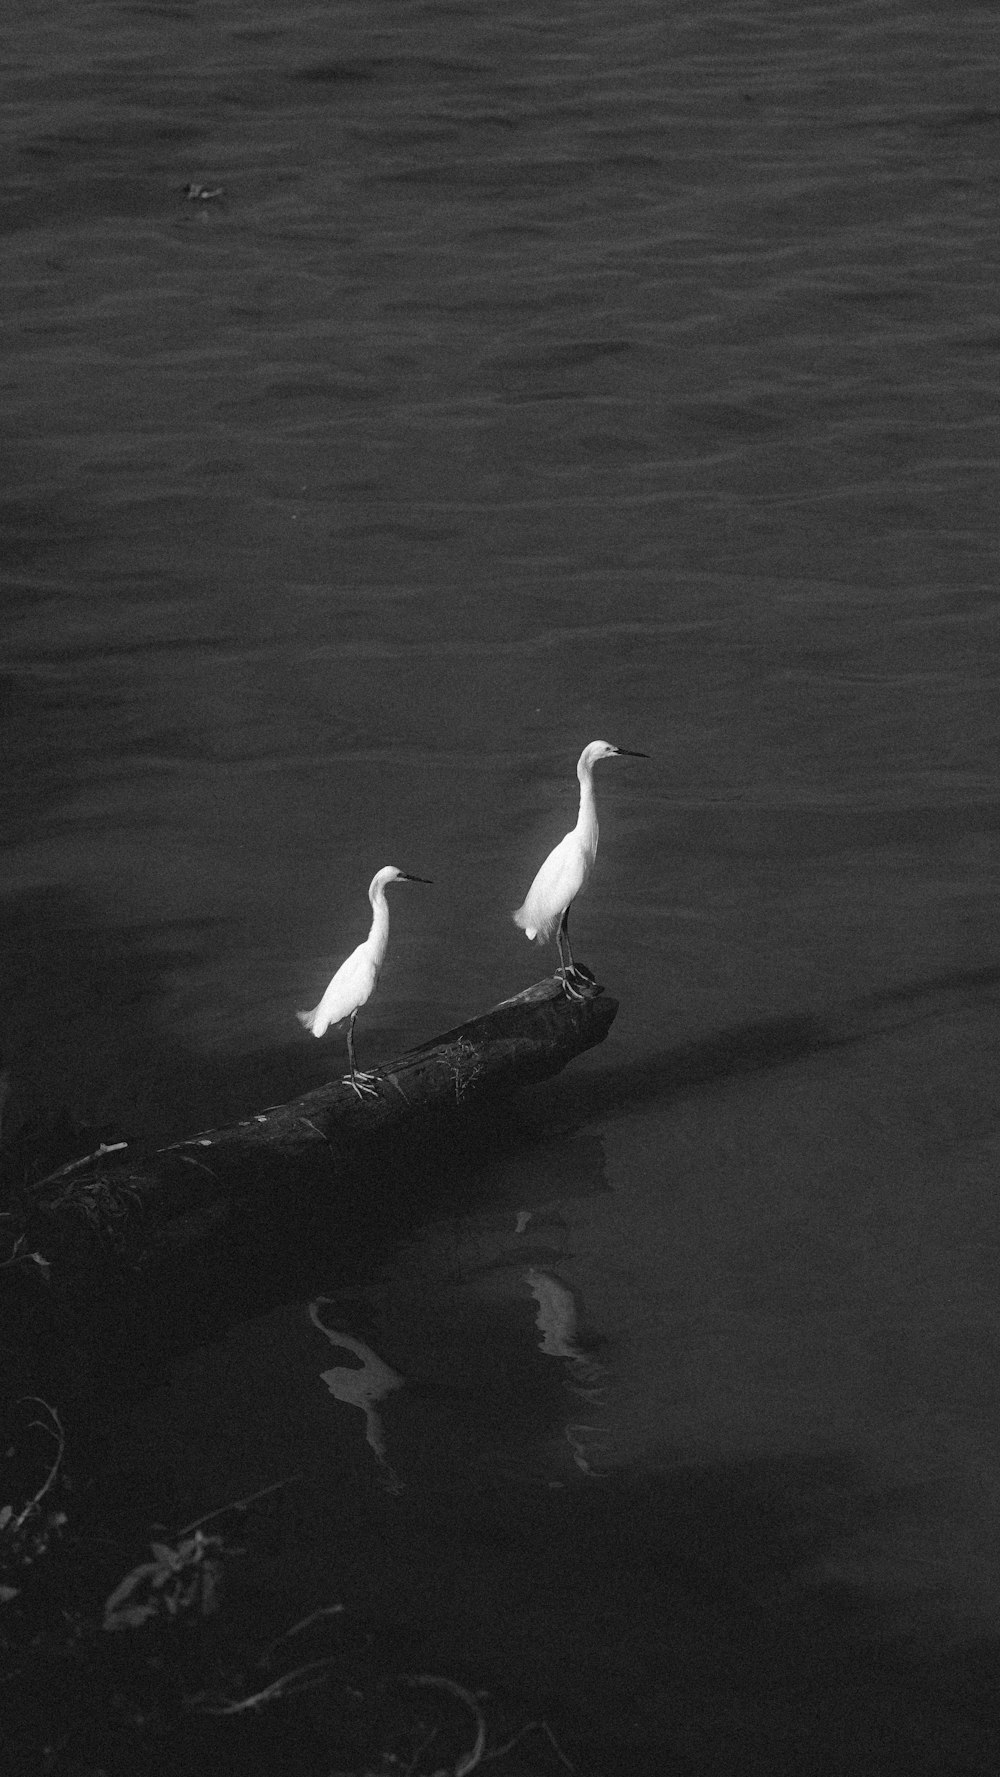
[[291, 1174]]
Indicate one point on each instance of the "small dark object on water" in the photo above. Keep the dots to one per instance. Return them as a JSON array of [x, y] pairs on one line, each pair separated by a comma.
[[203, 194]]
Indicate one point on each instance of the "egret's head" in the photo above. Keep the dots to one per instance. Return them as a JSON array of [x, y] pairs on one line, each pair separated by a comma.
[[388, 874], [602, 749]]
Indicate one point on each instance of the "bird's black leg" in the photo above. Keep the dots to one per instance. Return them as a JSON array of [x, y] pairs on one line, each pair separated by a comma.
[[362, 1083], [568, 971], [569, 948]]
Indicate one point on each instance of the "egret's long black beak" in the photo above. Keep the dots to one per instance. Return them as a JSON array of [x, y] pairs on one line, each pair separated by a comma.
[[408, 878], [630, 753]]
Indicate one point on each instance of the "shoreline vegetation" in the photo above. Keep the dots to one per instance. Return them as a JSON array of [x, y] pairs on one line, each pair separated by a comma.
[[156, 1675]]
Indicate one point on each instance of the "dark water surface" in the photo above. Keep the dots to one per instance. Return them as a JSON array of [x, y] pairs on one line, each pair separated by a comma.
[[545, 373]]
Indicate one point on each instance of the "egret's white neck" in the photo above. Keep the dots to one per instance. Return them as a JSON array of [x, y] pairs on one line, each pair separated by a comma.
[[378, 937], [586, 821]]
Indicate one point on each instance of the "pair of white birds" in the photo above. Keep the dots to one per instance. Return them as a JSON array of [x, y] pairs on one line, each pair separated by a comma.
[[545, 910]]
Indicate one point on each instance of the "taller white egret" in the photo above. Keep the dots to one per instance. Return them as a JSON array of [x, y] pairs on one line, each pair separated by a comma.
[[567, 868], [354, 983]]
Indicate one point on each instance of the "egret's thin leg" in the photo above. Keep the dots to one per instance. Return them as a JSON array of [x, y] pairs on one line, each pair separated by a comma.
[[569, 948], [563, 932], [581, 975], [361, 1083]]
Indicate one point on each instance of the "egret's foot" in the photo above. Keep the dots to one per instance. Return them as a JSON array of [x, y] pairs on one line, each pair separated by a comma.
[[571, 990], [363, 1084]]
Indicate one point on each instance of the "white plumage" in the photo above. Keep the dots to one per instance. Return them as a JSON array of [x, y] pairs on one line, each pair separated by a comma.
[[565, 872], [355, 981]]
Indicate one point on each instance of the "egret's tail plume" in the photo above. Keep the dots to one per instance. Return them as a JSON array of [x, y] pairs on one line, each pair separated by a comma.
[[520, 918], [308, 1019]]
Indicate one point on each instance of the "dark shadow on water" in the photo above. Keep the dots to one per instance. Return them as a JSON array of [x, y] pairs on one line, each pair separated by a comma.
[[80, 1017], [679, 1619], [673, 1622], [764, 1045], [682, 1621], [81, 1027]]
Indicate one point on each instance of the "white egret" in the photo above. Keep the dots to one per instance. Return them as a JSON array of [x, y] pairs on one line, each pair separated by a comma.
[[354, 983], [565, 871]]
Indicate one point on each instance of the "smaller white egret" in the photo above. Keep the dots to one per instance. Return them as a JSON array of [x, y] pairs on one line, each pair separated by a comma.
[[567, 868], [354, 983]]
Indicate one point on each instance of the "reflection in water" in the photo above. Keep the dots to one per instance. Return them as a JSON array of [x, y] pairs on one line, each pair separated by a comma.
[[556, 1315], [361, 1388], [558, 1321]]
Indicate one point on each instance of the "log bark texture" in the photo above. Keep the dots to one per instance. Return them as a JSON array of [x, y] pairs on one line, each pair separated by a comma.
[[290, 1176]]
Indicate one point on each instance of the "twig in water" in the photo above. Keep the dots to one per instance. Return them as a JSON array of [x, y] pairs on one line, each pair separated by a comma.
[[531, 1727], [427, 1740], [237, 1505], [278, 1688], [60, 1437], [193, 1162], [469, 1760], [18, 1256], [113, 1147], [325, 1610]]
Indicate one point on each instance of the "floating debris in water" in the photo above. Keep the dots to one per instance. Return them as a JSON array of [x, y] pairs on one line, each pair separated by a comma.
[[203, 194], [360, 1388]]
